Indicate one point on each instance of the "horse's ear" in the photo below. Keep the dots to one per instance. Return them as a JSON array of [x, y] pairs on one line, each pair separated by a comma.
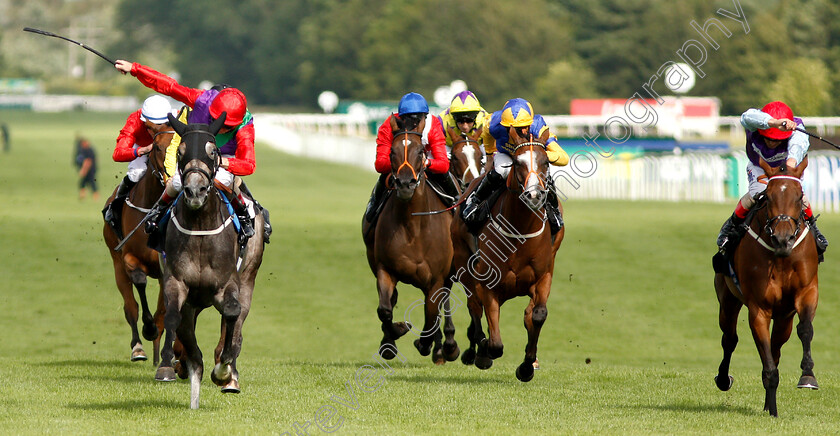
[[770, 171], [453, 132], [421, 125], [396, 123], [176, 124], [478, 132], [797, 172], [544, 136], [217, 125]]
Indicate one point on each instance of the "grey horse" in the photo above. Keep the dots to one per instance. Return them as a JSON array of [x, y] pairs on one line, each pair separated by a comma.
[[200, 270]]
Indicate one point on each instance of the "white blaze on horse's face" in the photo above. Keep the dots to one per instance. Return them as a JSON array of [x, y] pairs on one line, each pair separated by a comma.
[[472, 165], [532, 183]]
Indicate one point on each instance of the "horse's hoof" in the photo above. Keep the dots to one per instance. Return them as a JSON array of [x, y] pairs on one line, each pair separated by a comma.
[[222, 374], [722, 383], [808, 382], [231, 388], [525, 372], [452, 354], [400, 329], [437, 357], [424, 350], [468, 358], [483, 362], [165, 374], [536, 364], [137, 354], [389, 352], [150, 331]]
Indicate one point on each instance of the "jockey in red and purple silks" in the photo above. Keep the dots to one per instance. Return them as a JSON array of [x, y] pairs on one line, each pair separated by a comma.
[[772, 136], [235, 140]]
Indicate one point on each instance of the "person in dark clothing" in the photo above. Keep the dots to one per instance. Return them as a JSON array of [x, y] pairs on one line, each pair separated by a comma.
[[86, 160]]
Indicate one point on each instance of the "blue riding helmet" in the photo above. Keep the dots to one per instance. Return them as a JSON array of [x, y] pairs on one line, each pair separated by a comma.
[[413, 103]]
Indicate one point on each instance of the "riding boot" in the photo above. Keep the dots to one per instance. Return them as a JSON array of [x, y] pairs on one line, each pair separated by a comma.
[[447, 183], [247, 226], [376, 196], [730, 234], [155, 214], [552, 211], [476, 211], [111, 213], [822, 242], [266, 221]]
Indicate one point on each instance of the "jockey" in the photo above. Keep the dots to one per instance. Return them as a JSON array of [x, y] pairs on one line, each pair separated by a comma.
[[412, 106], [235, 140], [464, 114], [517, 114], [773, 138], [133, 145]]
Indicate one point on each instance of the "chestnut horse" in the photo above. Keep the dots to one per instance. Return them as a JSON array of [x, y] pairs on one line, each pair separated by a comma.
[[776, 268], [201, 264], [136, 261], [415, 250], [465, 156], [512, 256]]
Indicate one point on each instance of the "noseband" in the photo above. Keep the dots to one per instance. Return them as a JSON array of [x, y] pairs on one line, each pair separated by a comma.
[[415, 173]]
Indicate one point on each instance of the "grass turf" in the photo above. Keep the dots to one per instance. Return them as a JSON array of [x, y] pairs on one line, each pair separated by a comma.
[[632, 294]]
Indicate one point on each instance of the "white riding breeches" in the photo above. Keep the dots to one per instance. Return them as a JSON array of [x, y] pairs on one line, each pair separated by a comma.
[[502, 164], [137, 168]]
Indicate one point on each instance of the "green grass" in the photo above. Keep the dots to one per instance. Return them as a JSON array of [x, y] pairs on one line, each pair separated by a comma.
[[632, 293]]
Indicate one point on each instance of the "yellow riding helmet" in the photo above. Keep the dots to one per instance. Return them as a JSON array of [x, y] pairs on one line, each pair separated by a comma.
[[464, 101], [517, 112]]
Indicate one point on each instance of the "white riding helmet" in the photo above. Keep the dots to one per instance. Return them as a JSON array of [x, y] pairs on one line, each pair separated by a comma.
[[155, 109]]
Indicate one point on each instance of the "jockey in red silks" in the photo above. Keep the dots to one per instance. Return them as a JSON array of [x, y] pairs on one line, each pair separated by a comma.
[[412, 108], [773, 138], [235, 140], [133, 145]]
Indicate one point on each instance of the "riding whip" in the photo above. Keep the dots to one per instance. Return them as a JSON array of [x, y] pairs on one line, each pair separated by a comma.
[[818, 137], [131, 233], [45, 33]]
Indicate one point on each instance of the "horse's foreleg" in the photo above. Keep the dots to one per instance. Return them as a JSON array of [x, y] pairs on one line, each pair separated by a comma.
[[730, 307], [493, 346], [450, 346], [138, 278], [431, 323], [192, 358], [159, 313], [535, 316], [806, 307], [387, 287], [175, 294], [474, 332], [230, 310], [130, 309], [760, 326]]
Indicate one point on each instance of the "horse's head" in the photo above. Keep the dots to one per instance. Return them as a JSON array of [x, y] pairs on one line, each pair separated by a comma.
[[530, 167], [408, 155], [161, 138], [465, 157], [198, 158], [785, 206]]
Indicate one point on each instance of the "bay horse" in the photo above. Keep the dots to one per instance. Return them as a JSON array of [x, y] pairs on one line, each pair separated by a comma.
[[465, 156], [416, 250], [202, 249], [512, 256], [776, 268], [135, 261]]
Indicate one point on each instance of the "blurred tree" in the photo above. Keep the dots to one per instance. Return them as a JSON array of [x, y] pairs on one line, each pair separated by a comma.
[[564, 80], [804, 85]]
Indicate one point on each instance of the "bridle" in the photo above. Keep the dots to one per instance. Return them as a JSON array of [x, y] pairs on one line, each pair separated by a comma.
[[531, 170], [214, 165], [772, 222], [416, 173], [158, 172]]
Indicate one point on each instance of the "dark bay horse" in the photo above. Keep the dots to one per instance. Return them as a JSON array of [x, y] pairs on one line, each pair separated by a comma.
[[776, 267], [201, 264], [512, 256], [415, 250], [136, 261], [465, 156]]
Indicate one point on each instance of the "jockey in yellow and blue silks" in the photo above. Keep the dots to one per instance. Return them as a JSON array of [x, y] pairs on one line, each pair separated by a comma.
[[516, 114]]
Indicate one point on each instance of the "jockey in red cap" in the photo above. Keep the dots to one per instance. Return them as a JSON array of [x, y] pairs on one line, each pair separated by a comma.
[[235, 140], [773, 138]]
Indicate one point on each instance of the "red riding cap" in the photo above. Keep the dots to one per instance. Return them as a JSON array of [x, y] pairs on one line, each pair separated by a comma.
[[777, 110], [232, 101]]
